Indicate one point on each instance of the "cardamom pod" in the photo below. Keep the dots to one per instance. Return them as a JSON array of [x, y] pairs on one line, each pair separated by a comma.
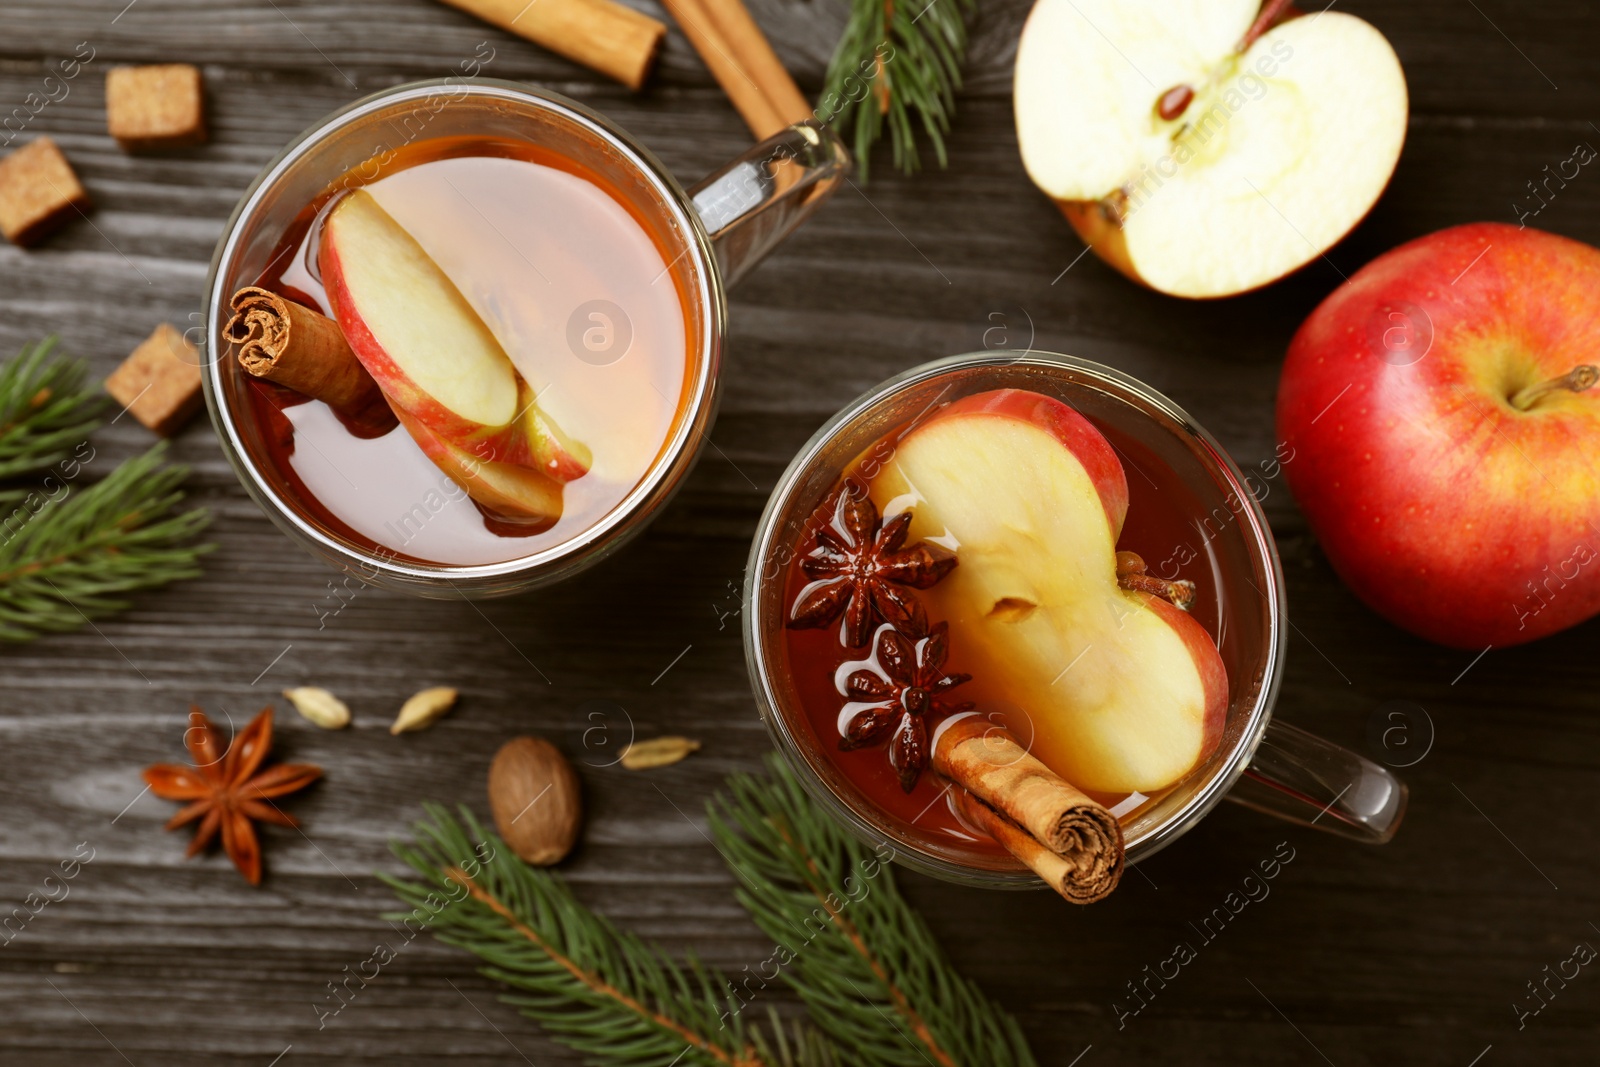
[[424, 709], [319, 706], [657, 752]]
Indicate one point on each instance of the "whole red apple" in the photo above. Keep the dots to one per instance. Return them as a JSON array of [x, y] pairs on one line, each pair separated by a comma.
[[1445, 439]]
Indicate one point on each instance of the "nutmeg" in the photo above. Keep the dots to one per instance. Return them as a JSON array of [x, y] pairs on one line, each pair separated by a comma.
[[535, 800]]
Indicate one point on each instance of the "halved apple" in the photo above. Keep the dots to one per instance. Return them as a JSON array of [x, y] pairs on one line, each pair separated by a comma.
[[1197, 152], [1125, 691], [428, 350], [507, 491]]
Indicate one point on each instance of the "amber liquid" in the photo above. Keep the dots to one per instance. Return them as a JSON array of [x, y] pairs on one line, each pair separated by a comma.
[[532, 239], [1163, 525]]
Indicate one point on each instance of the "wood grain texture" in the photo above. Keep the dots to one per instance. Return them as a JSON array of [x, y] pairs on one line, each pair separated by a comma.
[[1409, 954]]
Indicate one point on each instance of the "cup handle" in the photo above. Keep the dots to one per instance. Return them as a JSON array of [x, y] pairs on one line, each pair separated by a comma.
[[1300, 777], [752, 203]]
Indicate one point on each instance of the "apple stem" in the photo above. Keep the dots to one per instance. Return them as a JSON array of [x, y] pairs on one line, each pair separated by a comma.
[[1180, 593], [1131, 576], [1576, 380], [1269, 14]]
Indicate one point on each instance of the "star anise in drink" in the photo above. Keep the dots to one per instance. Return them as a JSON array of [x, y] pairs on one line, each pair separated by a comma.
[[906, 699], [861, 567], [227, 791]]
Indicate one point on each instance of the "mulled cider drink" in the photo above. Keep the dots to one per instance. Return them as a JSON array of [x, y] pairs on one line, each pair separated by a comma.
[[1013, 613], [465, 336], [526, 344], [979, 565], [990, 562]]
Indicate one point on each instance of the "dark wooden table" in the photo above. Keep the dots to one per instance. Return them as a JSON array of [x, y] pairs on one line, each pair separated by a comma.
[[1410, 954]]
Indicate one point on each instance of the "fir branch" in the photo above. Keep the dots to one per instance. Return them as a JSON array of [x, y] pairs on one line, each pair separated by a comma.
[[46, 407], [605, 993], [68, 560], [894, 58], [861, 958]]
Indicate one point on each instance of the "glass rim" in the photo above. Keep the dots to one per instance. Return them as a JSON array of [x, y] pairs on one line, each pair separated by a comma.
[[1261, 545], [678, 451]]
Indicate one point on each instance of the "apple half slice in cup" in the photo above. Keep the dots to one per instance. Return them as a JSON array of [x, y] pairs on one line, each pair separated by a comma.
[[441, 368], [435, 359], [1206, 149], [1126, 692]]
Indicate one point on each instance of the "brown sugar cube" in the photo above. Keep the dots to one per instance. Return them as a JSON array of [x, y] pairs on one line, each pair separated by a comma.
[[155, 107], [160, 382], [38, 192]]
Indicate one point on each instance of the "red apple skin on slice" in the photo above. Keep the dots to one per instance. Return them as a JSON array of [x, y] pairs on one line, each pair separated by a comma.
[[1443, 506], [1207, 660], [510, 493], [1076, 434], [1122, 691], [428, 350], [545, 447]]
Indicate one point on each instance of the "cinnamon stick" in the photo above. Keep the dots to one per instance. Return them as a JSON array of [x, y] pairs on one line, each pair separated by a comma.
[[603, 35], [297, 347], [743, 62], [989, 763], [1078, 885], [734, 21]]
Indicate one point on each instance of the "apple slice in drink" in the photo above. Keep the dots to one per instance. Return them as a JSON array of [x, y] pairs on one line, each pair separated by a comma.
[[544, 446], [429, 351], [1125, 691], [509, 492], [1206, 148]]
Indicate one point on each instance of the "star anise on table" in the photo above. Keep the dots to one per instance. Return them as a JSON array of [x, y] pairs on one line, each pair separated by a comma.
[[861, 567], [906, 703], [227, 791]]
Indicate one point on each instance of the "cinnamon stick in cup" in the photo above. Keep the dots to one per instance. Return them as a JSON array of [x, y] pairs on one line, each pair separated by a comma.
[[1029, 798], [297, 347], [1078, 884]]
